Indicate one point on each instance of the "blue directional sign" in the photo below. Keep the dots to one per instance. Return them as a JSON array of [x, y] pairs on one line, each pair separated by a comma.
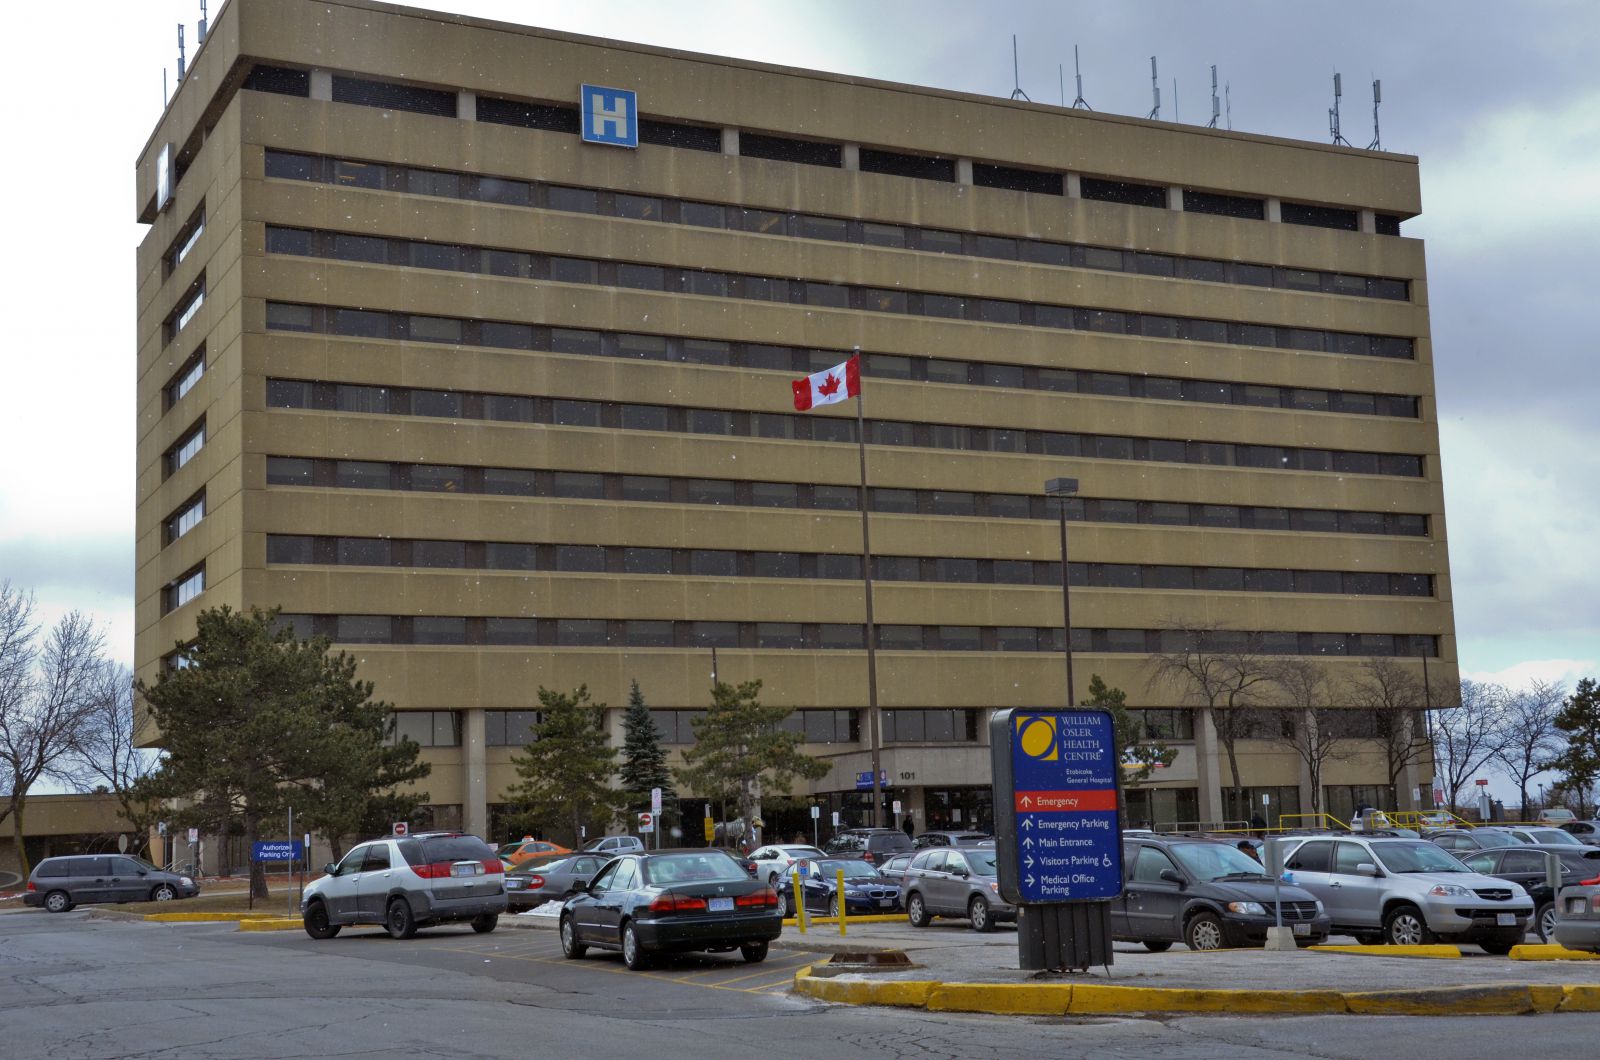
[[864, 779], [610, 115], [1055, 801], [277, 850]]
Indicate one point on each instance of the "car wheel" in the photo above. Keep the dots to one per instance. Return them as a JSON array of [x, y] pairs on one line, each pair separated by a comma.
[[833, 906], [916, 911], [633, 954], [1404, 926], [783, 902], [1203, 932], [317, 923], [978, 912], [754, 952], [1545, 922], [485, 923], [399, 921], [571, 948], [57, 901], [164, 893], [1157, 945], [1497, 947]]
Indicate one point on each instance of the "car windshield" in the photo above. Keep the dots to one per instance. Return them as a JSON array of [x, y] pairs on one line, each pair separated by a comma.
[[801, 852], [982, 861], [852, 869], [1214, 861], [1416, 857], [701, 866], [1554, 836]]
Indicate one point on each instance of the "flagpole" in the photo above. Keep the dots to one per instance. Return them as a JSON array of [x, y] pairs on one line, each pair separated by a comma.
[[871, 628]]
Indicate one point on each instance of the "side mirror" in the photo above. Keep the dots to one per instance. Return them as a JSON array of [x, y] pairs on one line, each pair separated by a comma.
[[144, 872], [1173, 876], [580, 885], [330, 869], [1366, 868]]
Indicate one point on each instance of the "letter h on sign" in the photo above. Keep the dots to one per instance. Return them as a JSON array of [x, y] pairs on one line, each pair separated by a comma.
[[610, 116]]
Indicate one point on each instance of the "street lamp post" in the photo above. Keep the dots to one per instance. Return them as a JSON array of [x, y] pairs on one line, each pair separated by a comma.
[[1061, 489]]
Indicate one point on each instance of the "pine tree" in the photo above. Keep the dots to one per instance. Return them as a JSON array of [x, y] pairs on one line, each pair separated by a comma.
[[566, 767], [1137, 756], [741, 751], [1579, 763], [644, 760]]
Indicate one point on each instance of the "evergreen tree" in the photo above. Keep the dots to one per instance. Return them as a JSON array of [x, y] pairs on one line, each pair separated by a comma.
[[258, 720], [566, 768], [741, 751], [1579, 763], [1138, 756], [644, 760]]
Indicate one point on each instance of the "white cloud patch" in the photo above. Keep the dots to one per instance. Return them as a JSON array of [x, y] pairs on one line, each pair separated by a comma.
[[1565, 672]]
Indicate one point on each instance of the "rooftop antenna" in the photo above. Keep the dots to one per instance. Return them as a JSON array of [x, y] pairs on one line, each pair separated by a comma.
[[1061, 82], [1227, 98], [1177, 114], [1155, 92], [1216, 104], [200, 33], [1016, 74], [1377, 97], [1333, 113], [1077, 73], [180, 53]]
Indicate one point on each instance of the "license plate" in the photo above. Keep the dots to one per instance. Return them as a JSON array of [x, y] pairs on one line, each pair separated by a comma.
[[1505, 919], [721, 905], [469, 868], [1302, 929], [515, 885], [886, 902], [1576, 905]]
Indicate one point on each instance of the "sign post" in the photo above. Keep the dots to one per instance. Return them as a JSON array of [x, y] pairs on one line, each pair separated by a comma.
[[655, 811], [1058, 832], [816, 816]]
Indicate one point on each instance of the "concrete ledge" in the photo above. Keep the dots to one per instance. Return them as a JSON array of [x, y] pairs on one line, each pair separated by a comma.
[[1436, 951], [1055, 999], [281, 923], [1551, 953], [203, 918]]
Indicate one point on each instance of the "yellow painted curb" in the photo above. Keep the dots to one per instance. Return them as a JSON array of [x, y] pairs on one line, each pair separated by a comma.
[[203, 918], [900, 993], [282, 923], [1447, 1001], [1579, 999], [1434, 951], [1011, 999], [1551, 953], [1090, 998]]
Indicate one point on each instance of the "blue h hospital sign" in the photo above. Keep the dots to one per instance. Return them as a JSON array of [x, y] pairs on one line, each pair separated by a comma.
[[610, 116]]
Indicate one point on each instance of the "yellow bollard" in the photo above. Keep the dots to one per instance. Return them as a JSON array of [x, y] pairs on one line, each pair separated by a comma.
[[799, 902], [840, 893]]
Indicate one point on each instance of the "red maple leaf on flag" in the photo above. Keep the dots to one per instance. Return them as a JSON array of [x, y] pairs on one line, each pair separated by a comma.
[[829, 386]]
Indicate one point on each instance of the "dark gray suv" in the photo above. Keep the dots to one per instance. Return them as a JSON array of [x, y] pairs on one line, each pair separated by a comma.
[[58, 884], [407, 882]]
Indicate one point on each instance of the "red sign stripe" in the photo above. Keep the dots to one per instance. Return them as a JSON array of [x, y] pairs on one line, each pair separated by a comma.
[[1066, 801]]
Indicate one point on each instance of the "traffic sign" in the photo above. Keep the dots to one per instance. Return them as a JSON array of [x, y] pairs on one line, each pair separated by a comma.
[[161, 828], [655, 801], [277, 850], [194, 835], [402, 828], [836, 818], [864, 779], [711, 829], [1055, 800], [647, 822], [897, 807], [816, 811]]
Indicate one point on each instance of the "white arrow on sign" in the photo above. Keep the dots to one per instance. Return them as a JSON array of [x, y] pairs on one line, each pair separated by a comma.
[[1027, 822], [1027, 840], [1030, 879], [1028, 861]]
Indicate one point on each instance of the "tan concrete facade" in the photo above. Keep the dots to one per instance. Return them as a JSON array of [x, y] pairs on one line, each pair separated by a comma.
[[222, 131]]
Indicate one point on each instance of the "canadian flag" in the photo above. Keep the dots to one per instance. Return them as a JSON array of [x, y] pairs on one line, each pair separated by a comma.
[[830, 387]]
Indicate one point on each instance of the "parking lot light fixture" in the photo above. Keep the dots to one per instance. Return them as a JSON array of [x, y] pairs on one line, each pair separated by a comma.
[[1061, 489]]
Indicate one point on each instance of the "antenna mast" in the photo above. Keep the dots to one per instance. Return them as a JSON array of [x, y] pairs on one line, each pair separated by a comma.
[[1216, 104], [180, 53], [200, 34], [1016, 74], [1077, 73], [1227, 96], [1377, 97], [1333, 113], [1155, 92]]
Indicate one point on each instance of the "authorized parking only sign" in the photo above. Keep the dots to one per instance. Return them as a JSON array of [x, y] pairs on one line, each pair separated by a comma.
[[1055, 800]]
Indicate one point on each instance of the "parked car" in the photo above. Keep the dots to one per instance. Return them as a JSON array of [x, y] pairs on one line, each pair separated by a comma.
[[1588, 832], [553, 880], [1207, 894], [406, 883], [1535, 833], [1456, 839], [949, 839], [866, 890], [60, 883], [671, 901], [1408, 891], [954, 881], [774, 861], [1525, 866], [1577, 925], [894, 866], [614, 844], [527, 847], [871, 845]]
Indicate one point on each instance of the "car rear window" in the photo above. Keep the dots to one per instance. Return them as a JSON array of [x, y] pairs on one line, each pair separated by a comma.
[[891, 841], [55, 868], [455, 848], [704, 866], [91, 867]]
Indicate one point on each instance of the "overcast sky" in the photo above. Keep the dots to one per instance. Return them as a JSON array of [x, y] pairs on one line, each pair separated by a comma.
[[1500, 101]]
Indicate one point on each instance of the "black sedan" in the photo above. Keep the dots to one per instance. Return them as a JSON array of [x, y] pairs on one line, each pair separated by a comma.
[[530, 886], [672, 902], [866, 890], [1525, 865]]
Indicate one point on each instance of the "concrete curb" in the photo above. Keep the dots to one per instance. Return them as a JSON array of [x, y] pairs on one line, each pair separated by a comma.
[[1552, 952], [1053, 999]]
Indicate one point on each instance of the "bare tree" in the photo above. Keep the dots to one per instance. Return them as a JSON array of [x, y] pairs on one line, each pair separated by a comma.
[[1223, 672], [1467, 736], [1529, 738], [1392, 696], [1312, 727], [106, 756], [43, 693]]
